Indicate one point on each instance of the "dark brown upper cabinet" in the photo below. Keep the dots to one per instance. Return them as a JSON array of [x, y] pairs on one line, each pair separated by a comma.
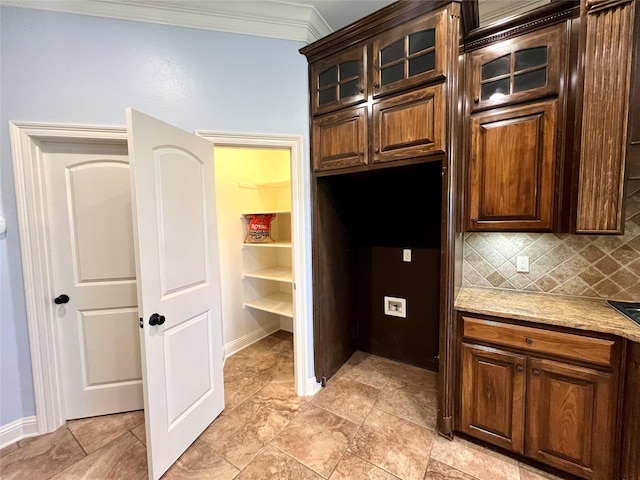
[[408, 125], [606, 124], [340, 139], [517, 70], [339, 80], [512, 168], [410, 54], [381, 99]]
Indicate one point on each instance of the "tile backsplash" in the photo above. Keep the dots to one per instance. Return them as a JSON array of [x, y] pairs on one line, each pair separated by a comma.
[[605, 266]]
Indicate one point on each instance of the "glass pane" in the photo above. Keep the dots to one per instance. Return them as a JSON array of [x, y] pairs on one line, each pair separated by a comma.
[[328, 77], [530, 80], [395, 51], [392, 74], [497, 67], [327, 96], [348, 70], [493, 90], [422, 64], [349, 89], [422, 40], [531, 57]]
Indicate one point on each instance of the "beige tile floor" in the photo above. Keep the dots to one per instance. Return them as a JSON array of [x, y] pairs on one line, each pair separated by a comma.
[[375, 420]]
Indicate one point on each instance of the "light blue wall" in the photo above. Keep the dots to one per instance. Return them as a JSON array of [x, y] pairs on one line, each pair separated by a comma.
[[75, 69]]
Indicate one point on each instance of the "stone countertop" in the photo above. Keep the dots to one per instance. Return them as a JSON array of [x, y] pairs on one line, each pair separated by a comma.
[[564, 311]]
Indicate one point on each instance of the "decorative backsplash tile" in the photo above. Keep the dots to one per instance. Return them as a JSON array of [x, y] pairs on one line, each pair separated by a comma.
[[605, 266]]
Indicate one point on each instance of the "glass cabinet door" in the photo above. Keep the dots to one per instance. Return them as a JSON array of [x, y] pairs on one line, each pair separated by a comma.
[[410, 54], [517, 70], [339, 81]]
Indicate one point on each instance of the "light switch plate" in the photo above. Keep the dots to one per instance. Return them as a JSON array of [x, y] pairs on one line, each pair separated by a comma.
[[406, 255]]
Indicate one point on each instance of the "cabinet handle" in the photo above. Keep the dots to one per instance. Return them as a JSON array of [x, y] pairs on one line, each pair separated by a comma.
[[361, 90], [476, 100], [376, 85], [529, 341], [519, 368], [536, 373]]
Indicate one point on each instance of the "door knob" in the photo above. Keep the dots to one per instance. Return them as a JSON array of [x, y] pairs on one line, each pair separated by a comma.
[[156, 319], [59, 300]]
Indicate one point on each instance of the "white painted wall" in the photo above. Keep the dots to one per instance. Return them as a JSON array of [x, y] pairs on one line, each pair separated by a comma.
[[68, 68]]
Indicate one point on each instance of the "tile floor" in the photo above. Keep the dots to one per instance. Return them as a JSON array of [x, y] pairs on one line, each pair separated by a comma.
[[375, 420]]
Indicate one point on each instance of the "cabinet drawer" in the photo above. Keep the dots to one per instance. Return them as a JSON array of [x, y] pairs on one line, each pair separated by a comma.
[[568, 345]]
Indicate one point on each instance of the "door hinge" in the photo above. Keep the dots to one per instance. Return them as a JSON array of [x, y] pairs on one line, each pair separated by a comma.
[[141, 322]]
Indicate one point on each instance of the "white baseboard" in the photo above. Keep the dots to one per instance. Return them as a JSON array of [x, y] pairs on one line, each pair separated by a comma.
[[18, 430], [251, 337], [312, 386], [286, 324]]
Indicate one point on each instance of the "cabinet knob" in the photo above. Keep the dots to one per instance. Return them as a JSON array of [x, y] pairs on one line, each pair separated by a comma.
[[529, 341], [536, 373], [519, 368], [376, 85], [361, 90], [376, 150], [476, 100]]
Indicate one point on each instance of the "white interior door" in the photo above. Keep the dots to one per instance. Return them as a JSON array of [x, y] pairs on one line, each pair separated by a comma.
[[91, 240], [172, 179]]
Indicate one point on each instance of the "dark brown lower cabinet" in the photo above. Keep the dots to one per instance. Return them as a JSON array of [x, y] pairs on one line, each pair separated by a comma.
[[493, 387], [555, 411], [630, 455], [570, 418]]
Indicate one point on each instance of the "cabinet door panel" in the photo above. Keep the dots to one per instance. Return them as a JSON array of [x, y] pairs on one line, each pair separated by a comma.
[[608, 56], [340, 139], [339, 81], [492, 402], [512, 168], [570, 418], [517, 70], [411, 54], [408, 125]]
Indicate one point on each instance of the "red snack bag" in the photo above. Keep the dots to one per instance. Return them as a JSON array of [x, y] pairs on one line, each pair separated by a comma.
[[259, 228]]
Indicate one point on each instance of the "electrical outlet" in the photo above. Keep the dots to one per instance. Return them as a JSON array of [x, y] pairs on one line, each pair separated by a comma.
[[406, 255], [395, 307], [522, 264]]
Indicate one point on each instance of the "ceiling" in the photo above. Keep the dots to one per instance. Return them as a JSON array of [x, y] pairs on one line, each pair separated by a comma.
[[299, 20], [340, 13]]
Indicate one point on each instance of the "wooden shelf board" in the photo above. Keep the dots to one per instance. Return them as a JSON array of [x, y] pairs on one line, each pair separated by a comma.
[[278, 303], [276, 184], [278, 274], [264, 212], [268, 245]]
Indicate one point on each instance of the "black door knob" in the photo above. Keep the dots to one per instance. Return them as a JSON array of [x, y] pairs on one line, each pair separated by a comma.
[[59, 300], [156, 319]]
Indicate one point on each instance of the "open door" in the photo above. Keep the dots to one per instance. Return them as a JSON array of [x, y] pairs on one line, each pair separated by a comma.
[[173, 198]]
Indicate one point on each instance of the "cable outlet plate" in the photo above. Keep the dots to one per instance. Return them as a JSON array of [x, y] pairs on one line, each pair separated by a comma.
[[395, 307]]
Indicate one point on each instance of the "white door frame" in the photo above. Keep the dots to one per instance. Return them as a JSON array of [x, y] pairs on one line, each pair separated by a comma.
[[26, 138], [28, 171], [306, 383]]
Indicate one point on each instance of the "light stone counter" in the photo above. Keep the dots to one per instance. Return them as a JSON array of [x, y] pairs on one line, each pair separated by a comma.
[[564, 311]]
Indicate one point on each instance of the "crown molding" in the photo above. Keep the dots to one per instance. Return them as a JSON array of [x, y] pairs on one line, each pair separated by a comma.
[[492, 11], [263, 18]]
